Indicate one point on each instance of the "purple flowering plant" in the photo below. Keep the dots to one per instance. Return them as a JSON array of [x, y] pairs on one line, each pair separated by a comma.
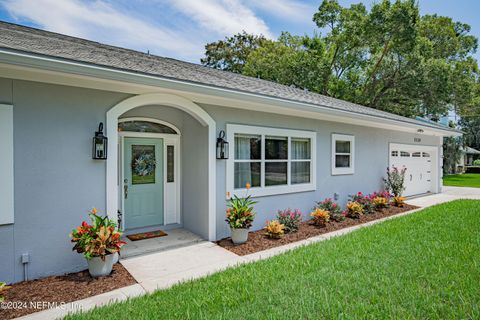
[[291, 219]]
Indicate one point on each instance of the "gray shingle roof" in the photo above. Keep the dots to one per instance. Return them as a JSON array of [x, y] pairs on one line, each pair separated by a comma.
[[39, 42]]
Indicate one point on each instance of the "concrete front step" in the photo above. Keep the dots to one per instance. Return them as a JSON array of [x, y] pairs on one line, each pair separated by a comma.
[[176, 238]]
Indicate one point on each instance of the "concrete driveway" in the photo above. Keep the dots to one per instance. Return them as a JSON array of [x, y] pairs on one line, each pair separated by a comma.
[[448, 194]]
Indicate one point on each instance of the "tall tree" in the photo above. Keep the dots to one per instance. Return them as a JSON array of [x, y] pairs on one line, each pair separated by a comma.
[[231, 54], [388, 57]]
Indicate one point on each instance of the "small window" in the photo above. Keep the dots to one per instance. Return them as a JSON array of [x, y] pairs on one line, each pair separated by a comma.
[[404, 154], [394, 153], [170, 164], [426, 155], [145, 126], [342, 154], [416, 154]]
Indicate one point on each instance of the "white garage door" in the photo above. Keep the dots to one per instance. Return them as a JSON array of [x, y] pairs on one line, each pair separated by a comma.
[[419, 164]]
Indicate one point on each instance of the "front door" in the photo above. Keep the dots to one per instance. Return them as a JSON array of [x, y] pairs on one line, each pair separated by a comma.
[[143, 182]]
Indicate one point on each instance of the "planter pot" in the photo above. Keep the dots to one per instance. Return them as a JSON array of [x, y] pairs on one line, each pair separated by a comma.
[[239, 236], [98, 267], [116, 257]]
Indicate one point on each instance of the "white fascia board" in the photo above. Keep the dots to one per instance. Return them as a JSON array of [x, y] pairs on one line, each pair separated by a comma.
[[206, 92]]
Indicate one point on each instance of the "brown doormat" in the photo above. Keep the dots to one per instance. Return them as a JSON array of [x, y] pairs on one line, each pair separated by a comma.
[[146, 235]]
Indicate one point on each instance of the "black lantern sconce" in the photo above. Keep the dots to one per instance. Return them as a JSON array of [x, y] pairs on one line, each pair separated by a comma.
[[100, 143], [222, 146]]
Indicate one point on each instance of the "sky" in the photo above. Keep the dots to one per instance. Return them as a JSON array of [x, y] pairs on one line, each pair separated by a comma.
[[181, 28]]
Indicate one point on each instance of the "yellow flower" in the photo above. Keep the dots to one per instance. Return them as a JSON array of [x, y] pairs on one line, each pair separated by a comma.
[[94, 211], [248, 186]]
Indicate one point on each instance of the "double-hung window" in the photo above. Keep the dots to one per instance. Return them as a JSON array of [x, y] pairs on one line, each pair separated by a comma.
[[343, 154], [271, 160]]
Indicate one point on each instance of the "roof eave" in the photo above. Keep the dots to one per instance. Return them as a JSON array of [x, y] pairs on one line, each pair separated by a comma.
[[50, 63]]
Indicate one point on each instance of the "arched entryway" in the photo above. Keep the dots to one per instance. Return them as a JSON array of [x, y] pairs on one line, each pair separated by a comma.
[[160, 99]]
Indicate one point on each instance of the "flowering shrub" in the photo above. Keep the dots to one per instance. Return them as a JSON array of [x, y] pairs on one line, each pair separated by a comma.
[[365, 201], [398, 201], [380, 202], [3, 288], [291, 219], [354, 209], [395, 180], [99, 239], [240, 213], [274, 229], [320, 217], [333, 209]]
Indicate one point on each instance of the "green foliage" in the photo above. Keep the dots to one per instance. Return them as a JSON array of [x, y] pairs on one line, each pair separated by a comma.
[[332, 207], [231, 54], [3, 289], [420, 266], [476, 162], [240, 212], [452, 153], [389, 58], [364, 200], [320, 217], [355, 209], [470, 125], [274, 229], [291, 219], [99, 239], [395, 180]]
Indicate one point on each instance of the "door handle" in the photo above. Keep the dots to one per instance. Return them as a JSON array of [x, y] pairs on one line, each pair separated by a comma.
[[411, 177], [125, 188], [421, 176]]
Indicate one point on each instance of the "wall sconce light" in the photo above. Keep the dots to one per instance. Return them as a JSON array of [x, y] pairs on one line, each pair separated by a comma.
[[100, 143], [420, 130], [222, 146]]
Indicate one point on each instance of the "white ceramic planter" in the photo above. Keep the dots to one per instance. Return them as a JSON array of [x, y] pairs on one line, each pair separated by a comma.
[[116, 257], [98, 267], [239, 236]]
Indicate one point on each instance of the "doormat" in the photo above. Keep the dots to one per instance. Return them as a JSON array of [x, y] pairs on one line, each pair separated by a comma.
[[146, 235]]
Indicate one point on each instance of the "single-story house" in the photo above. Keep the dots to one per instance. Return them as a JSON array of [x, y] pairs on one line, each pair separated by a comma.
[[470, 155], [161, 168]]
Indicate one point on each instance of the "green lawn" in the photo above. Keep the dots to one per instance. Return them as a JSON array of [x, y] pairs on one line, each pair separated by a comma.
[[462, 180], [422, 266]]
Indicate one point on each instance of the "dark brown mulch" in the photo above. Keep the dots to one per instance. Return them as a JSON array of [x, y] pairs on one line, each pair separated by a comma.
[[258, 241], [60, 289]]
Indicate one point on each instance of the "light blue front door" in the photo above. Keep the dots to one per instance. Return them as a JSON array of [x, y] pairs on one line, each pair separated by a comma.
[[143, 182]]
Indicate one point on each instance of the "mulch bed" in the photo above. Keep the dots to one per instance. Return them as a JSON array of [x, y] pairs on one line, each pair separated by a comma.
[[258, 241], [60, 289]]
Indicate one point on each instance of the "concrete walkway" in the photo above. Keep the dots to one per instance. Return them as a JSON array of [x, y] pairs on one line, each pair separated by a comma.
[[162, 270]]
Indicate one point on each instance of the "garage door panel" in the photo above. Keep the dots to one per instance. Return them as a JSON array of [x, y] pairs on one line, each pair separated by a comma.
[[418, 162]]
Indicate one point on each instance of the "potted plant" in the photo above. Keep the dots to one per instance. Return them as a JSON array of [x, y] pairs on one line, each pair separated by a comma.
[[3, 289], [99, 242], [240, 215]]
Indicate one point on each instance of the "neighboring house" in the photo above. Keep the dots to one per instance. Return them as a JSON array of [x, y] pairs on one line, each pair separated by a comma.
[[470, 155], [162, 118], [466, 160]]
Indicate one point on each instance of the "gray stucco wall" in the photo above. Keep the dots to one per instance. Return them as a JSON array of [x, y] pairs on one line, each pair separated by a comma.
[[371, 161], [57, 182]]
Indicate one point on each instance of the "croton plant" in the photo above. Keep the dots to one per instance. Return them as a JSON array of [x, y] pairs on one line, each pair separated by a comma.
[[240, 212], [98, 239]]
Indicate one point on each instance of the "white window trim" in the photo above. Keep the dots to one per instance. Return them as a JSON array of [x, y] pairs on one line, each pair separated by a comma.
[[6, 164], [343, 137], [232, 129]]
